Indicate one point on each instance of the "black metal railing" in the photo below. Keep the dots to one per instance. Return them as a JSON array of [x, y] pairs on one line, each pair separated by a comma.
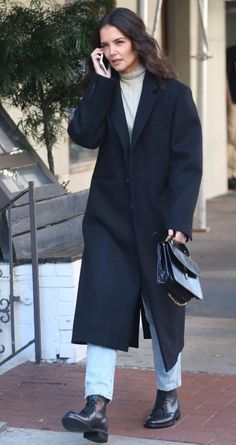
[[7, 309]]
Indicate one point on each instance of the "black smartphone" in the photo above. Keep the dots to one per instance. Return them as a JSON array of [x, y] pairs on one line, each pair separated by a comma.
[[103, 63]]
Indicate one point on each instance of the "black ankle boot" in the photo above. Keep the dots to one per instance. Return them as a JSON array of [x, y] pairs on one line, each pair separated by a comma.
[[91, 421], [165, 411]]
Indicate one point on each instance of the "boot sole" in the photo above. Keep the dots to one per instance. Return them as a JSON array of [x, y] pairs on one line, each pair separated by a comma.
[[78, 426], [96, 436], [164, 424]]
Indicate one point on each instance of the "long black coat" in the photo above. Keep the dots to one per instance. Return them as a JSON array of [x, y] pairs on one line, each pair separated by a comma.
[[138, 191]]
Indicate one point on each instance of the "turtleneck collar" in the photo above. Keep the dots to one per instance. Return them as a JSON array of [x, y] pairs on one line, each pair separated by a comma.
[[138, 72]]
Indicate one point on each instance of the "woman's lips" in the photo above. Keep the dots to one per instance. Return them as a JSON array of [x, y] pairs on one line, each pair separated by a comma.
[[116, 62]]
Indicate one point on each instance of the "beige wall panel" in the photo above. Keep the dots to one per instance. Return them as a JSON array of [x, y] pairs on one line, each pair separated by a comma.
[[178, 36], [216, 137], [216, 143], [131, 4], [215, 154], [151, 19], [151, 8], [81, 180], [193, 14], [216, 20], [61, 155]]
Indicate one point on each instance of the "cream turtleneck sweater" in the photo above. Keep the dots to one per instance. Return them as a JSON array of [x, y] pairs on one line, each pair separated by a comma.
[[131, 87]]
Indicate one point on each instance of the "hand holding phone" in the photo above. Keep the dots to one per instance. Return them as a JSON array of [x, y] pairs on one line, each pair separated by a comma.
[[98, 63]]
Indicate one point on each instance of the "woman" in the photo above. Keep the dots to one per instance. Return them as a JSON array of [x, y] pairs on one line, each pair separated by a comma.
[[144, 186]]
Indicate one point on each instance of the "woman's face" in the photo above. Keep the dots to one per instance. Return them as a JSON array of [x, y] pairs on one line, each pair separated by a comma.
[[117, 49]]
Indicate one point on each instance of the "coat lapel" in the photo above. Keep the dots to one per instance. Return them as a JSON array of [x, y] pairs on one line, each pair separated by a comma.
[[147, 100], [118, 117]]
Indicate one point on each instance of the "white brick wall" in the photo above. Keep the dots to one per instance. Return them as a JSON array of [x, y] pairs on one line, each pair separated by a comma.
[[58, 284]]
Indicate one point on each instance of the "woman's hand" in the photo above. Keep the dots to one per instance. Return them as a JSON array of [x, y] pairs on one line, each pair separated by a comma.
[[179, 237], [97, 55]]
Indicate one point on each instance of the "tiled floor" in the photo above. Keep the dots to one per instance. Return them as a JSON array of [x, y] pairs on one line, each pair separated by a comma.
[[34, 396]]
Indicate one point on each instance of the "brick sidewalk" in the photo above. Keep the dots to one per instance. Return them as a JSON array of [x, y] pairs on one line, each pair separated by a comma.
[[34, 396]]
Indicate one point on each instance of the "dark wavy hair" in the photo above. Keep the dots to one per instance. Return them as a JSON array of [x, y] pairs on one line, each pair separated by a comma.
[[147, 48]]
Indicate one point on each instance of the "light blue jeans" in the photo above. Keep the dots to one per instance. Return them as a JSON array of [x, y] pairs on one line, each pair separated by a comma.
[[101, 364]]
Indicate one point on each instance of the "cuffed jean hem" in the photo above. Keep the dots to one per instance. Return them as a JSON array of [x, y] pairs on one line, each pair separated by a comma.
[[166, 381], [100, 393], [170, 387]]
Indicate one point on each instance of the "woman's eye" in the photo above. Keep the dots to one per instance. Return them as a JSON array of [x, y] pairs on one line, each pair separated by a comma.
[[119, 42]]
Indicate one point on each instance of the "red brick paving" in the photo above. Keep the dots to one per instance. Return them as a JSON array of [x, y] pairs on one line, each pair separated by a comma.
[[36, 396]]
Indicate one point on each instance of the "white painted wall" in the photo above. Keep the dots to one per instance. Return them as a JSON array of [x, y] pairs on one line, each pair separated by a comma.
[[58, 290]]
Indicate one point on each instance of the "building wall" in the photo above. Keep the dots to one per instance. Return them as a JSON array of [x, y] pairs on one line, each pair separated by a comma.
[[178, 37], [58, 283], [183, 48], [131, 4], [216, 131], [182, 36], [182, 32]]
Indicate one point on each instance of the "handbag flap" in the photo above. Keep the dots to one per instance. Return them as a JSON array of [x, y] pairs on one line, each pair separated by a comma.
[[185, 260]]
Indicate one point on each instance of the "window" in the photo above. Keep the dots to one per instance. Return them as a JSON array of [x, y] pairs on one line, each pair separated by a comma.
[[16, 180], [79, 154]]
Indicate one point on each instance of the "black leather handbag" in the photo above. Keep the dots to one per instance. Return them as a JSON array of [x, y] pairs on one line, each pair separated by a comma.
[[178, 272]]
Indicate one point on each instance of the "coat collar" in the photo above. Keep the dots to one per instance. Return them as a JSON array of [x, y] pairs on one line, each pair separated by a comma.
[[146, 103]]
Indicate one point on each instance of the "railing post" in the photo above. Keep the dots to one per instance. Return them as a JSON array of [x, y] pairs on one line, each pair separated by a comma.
[[11, 272], [35, 274]]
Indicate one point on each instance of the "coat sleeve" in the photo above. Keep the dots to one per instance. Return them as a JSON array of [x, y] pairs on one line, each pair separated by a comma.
[[186, 163], [88, 125]]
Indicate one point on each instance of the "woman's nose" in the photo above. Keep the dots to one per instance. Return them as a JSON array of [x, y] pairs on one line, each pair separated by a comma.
[[112, 50]]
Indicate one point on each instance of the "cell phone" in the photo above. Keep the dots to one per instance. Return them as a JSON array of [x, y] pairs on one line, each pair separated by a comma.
[[101, 63]]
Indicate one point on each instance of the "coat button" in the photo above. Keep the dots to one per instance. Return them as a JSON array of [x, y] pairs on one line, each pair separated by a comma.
[[131, 206], [127, 180]]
